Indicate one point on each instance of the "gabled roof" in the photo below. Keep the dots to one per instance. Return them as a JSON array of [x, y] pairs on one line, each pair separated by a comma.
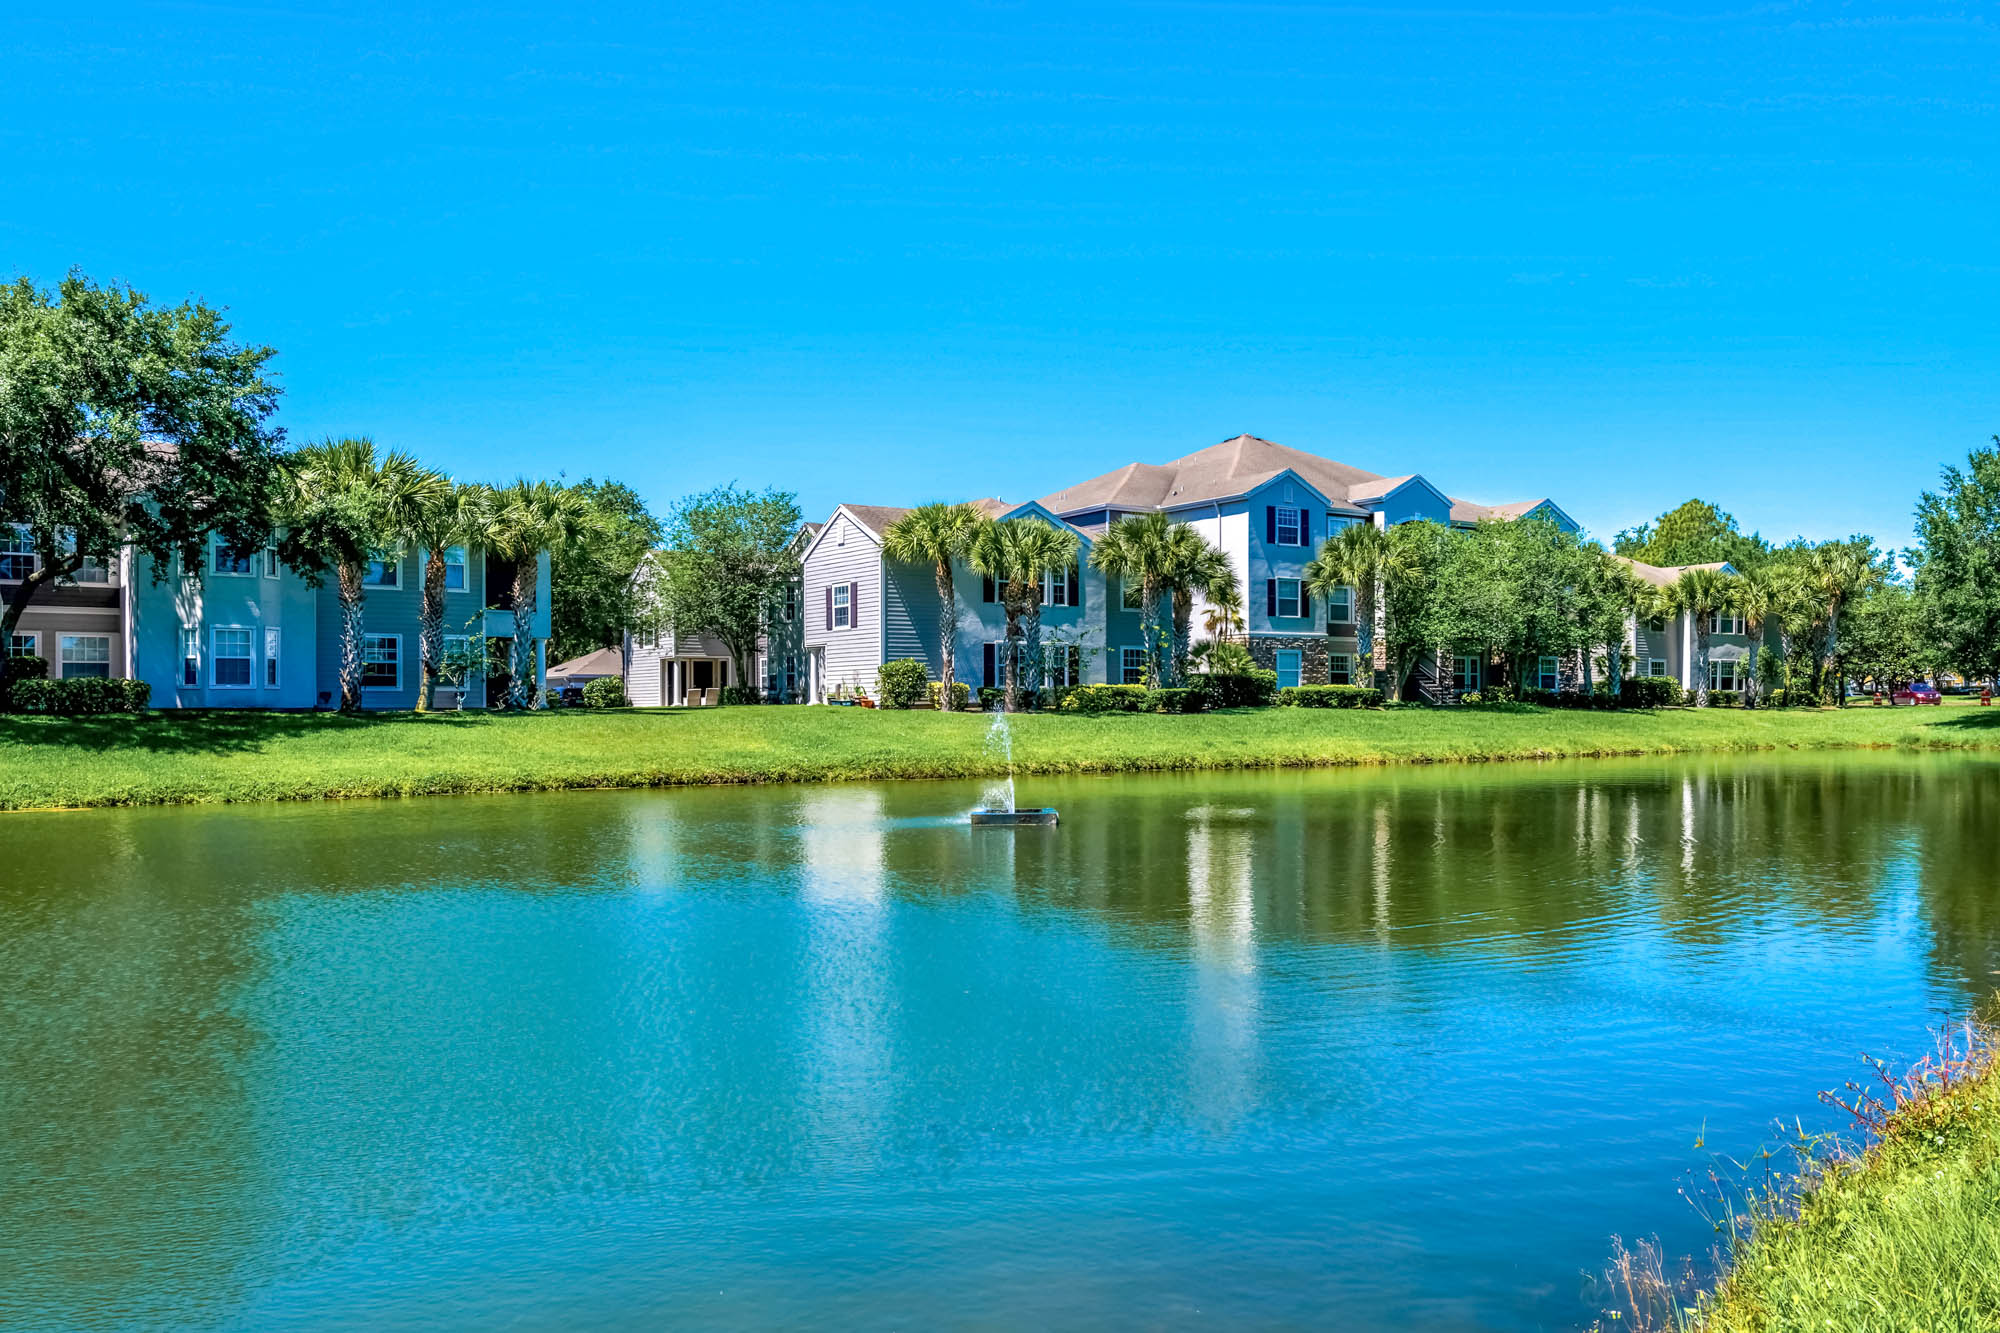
[[1662, 576], [603, 662], [1466, 511], [1222, 471]]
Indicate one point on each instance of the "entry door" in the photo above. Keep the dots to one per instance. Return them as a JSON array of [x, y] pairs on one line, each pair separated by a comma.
[[704, 675]]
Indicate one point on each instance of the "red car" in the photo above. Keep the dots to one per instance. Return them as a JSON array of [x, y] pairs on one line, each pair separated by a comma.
[[1918, 693]]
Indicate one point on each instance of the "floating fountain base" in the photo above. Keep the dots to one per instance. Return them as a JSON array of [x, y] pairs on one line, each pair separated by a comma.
[[1014, 818]]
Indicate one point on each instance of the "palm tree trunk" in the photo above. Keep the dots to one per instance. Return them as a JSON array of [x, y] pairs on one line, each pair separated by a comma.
[[1149, 626], [430, 630], [1034, 641], [351, 596], [947, 632], [521, 691], [1750, 680], [1183, 631], [1011, 669], [1701, 666]]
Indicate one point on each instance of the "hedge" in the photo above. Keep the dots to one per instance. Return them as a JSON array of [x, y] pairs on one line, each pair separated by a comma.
[[1650, 692], [1329, 696], [1106, 699], [1245, 689], [1173, 700], [899, 684], [605, 692], [81, 696], [961, 694], [742, 694]]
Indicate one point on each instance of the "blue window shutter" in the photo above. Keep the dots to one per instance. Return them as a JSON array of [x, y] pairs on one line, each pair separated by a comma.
[[1271, 598], [1271, 525]]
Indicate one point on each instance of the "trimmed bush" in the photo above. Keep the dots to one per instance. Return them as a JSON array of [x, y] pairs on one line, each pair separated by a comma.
[[742, 694], [84, 696], [899, 684], [1238, 689], [1724, 699], [605, 692], [1107, 699], [1650, 692], [1174, 700], [20, 668], [1329, 696], [992, 697], [961, 694]]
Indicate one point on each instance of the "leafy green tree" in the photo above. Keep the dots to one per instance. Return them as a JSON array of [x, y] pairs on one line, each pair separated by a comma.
[[1418, 617], [1695, 533], [1836, 573], [1137, 549], [343, 508], [1886, 641], [728, 558], [593, 595], [1701, 595], [443, 516], [1957, 561], [1612, 595], [1015, 553], [938, 535], [522, 520], [1192, 567], [125, 423], [1353, 558], [1760, 601]]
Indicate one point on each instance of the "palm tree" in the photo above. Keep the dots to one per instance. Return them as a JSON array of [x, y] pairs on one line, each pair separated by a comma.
[[1016, 553], [1757, 601], [1619, 594], [1223, 617], [1701, 594], [1836, 573], [1192, 566], [520, 522], [446, 515], [344, 508], [1357, 557], [937, 534], [1136, 549]]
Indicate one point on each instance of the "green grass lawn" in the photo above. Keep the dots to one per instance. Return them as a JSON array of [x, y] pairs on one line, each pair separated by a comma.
[[165, 758]]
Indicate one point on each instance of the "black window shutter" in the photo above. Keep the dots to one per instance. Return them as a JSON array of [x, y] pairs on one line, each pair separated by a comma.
[[854, 606], [1270, 597], [1305, 603], [1075, 665], [1271, 525], [986, 587], [829, 606], [1075, 586], [1305, 527], [988, 677]]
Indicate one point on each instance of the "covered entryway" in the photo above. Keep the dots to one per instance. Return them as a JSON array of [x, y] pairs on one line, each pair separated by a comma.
[[693, 681]]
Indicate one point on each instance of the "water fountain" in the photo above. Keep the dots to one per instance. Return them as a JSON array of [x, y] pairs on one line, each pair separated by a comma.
[[997, 809]]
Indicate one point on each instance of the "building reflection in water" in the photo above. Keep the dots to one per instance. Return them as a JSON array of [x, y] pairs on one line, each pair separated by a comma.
[[1223, 995]]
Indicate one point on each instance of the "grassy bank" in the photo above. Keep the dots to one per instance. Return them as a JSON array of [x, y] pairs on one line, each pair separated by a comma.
[[171, 758], [1903, 1234]]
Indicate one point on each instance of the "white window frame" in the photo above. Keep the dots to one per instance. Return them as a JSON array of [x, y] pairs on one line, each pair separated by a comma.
[[190, 676], [273, 658], [34, 648], [91, 570], [1296, 669], [248, 657], [62, 649], [473, 673], [1548, 674], [369, 639], [1298, 599], [1656, 625], [393, 568], [1656, 666], [1298, 525], [1132, 595], [1131, 666], [218, 546], [1725, 624], [791, 603], [1342, 597], [15, 543], [454, 558], [1715, 668], [843, 606], [1055, 588], [1340, 668], [270, 562]]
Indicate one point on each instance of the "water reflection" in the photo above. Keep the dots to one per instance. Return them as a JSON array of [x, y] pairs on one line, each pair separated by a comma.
[[1404, 1046]]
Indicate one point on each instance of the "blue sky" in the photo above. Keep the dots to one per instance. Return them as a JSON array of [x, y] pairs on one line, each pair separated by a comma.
[[887, 254]]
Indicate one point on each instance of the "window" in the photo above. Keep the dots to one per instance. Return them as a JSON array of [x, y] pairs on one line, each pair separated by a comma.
[[85, 655], [791, 676], [190, 657], [1055, 587], [1722, 676], [1656, 666], [1340, 607], [1547, 675], [270, 562], [270, 659], [1725, 624], [381, 668], [229, 658], [1657, 625], [1064, 666], [1288, 598], [1290, 525], [1132, 666], [840, 534], [92, 569], [1464, 674], [454, 569], [1340, 669], [229, 560], [1129, 594], [22, 645], [1288, 667], [843, 606], [791, 605], [383, 574], [17, 556], [461, 663]]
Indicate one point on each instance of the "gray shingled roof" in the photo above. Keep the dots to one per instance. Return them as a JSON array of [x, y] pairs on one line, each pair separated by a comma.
[[1661, 576]]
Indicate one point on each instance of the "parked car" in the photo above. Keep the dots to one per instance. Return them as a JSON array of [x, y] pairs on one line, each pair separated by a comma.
[[1918, 693]]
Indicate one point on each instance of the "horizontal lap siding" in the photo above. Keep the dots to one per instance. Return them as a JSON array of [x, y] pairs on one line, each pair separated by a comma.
[[910, 609], [853, 655]]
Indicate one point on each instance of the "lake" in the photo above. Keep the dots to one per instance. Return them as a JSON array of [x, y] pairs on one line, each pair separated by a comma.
[[1382, 1049]]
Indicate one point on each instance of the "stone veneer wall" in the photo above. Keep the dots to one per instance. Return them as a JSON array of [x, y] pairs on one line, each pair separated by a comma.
[[1312, 650]]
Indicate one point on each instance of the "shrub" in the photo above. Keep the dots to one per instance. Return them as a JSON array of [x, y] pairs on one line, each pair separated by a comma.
[[1172, 700], [992, 697], [605, 692], [1238, 689], [961, 694], [899, 684], [1650, 692], [1565, 699], [19, 668], [1724, 699], [1107, 699], [742, 694], [1329, 696], [82, 697], [552, 698]]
